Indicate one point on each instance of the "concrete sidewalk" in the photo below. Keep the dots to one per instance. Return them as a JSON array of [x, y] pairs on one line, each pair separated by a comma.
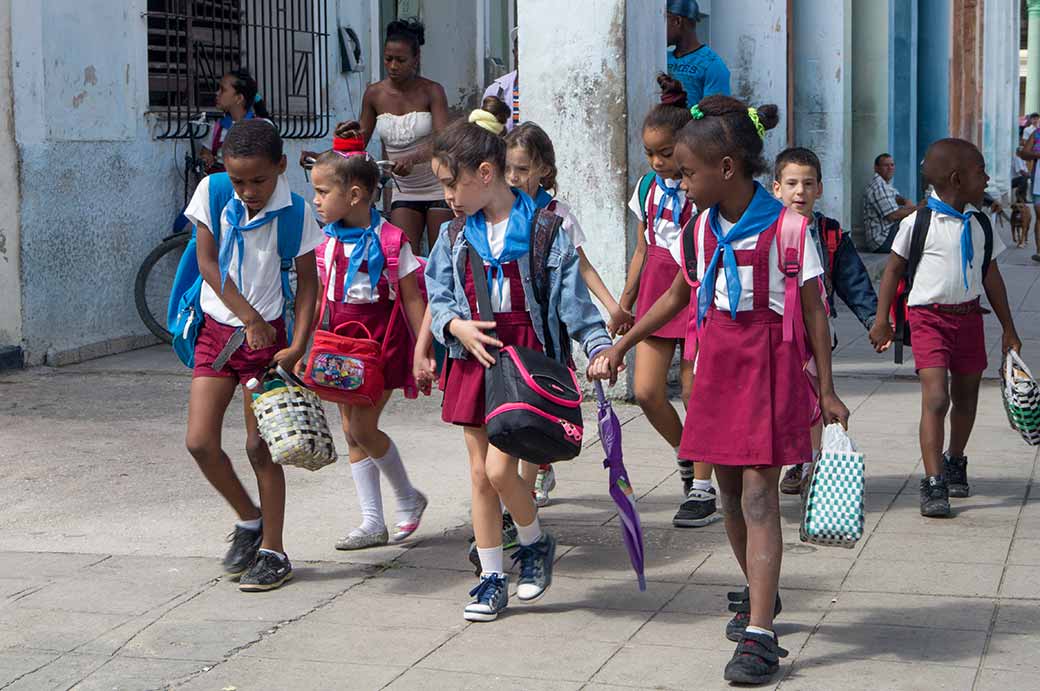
[[110, 543]]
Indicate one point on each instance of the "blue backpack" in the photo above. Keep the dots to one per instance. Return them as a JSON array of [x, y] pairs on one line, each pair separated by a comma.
[[184, 314]]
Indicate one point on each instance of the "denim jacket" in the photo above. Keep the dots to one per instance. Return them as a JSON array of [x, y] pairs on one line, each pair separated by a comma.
[[569, 300], [849, 279]]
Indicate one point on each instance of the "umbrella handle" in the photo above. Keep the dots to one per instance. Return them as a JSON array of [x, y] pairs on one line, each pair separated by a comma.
[[598, 385]]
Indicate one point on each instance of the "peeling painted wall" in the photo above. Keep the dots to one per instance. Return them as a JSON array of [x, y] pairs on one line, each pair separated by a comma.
[[870, 97], [822, 36], [449, 56], [751, 37], [98, 191], [10, 265]]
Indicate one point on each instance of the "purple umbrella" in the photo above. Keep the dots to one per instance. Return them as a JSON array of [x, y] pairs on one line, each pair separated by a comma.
[[620, 487]]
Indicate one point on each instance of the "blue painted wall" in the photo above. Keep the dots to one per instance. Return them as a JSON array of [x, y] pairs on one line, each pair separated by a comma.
[[933, 76], [902, 126]]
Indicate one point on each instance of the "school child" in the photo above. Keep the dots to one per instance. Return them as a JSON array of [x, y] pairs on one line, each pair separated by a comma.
[[243, 290], [469, 158], [798, 183], [357, 285], [754, 406], [663, 208], [238, 96], [531, 167], [954, 255]]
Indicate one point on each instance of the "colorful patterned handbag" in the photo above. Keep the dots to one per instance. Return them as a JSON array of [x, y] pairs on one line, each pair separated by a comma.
[[1021, 396], [833, 512]]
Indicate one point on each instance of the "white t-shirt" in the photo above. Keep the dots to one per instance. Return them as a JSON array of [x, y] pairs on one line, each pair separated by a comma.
[[261, 265], [811, 268], [501, 300], [360, 291], [570, 223], [666, 231], [939, 278]]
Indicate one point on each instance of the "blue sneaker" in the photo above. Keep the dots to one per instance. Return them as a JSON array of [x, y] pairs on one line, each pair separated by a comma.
[[536, 566], [490, 598]]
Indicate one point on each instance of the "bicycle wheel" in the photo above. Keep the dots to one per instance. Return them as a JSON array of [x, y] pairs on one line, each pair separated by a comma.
[[155, 281]]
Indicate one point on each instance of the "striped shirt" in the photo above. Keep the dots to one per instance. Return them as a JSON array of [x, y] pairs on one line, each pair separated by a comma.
[[879, 200]]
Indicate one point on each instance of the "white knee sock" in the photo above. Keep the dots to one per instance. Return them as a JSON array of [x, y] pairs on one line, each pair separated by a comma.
[[490, 560], [366, 480], [392, 468], [529, 534]]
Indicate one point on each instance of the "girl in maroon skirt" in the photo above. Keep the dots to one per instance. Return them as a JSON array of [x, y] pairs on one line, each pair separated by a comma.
[[663, 209], [495, 221], [355, 273], [753, 408]]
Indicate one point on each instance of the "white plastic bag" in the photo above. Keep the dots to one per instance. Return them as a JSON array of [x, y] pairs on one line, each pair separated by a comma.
[[835, 438]]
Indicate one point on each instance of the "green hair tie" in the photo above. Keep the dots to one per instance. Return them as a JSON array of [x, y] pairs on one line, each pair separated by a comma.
[[753, 114], [695, 111]]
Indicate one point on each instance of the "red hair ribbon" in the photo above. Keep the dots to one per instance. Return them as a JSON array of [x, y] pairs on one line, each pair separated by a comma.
[[346, 146]]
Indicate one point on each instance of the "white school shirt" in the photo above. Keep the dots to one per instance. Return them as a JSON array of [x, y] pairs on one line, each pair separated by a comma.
[[665, 232], [501, 301], [261, 265], [939, 278], [811, 268], [570, 223], [360, 291]]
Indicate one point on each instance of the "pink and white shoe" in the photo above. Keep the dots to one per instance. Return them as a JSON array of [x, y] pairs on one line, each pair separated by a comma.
[[408, 526]]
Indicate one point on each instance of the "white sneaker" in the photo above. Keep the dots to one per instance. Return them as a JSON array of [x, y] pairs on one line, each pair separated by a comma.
[[544, 483]]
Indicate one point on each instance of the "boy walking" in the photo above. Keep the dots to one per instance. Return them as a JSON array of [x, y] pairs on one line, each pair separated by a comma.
[[798, 183], [944, 310]]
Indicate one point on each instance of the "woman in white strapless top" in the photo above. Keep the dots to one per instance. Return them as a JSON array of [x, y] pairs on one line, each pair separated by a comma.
[[406, 110]]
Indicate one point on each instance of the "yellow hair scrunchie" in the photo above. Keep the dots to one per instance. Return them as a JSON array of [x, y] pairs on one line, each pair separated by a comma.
[[482, 118], [759, 127]]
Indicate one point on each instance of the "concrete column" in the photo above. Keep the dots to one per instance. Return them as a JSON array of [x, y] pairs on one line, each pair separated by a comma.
[[999, 93], [10, 213], [590, 93], [822, 57], [1032, 103]]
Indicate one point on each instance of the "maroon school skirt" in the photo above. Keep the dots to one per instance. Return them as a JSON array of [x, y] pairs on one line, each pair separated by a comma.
[[463, 380], [658, 273], [752, 404], [397, 345]]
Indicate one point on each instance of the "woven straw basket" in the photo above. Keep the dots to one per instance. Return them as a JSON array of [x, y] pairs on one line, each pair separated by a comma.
[[292, 422]]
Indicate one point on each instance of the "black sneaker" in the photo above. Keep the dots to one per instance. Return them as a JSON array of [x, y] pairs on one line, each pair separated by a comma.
[[240, 555], [756, 659], [268, 572], [935, 497], [536, 567], [792, 480], [699, 509], [955, 469], [740, 605]]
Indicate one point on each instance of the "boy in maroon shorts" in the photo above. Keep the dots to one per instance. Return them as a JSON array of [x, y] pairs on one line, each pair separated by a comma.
[[944, 312]]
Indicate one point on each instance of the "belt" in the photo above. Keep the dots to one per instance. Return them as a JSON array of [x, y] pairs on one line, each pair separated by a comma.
[[962, 308]]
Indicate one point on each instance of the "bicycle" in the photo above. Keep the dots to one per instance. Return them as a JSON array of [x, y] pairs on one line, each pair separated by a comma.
[[154, 279]]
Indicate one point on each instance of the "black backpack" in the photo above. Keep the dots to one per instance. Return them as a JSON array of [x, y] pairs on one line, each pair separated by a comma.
[[917, 238]]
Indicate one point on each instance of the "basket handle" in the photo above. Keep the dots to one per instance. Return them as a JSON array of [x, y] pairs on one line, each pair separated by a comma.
[[1013, 359], [348, 328]]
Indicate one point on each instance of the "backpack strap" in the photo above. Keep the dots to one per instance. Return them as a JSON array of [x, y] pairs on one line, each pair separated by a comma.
[[688, 252], [901, 337], [221, 192], [987, 231], [290, 235], [790, 242], [645, 183], [545, 226], [391, 238], [830, 233]]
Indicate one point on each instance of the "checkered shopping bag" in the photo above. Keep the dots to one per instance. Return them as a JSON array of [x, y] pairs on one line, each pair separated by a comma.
[[1021, 395], [833, 512]]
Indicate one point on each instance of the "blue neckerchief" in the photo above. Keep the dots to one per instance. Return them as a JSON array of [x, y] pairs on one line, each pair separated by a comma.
[[671, 197], [362, 239], [226, 122], [234, 215], [759, 215], [967, 246], [518, 235], [542, 199]]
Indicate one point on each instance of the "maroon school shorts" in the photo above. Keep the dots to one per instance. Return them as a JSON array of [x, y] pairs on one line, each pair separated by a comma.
[[954, 341], [244, 363]]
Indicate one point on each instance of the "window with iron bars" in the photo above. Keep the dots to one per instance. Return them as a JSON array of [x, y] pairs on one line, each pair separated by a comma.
[[283, 43]]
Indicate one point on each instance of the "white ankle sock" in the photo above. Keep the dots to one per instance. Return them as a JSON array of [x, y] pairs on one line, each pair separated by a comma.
[[760, 631], [703, 485], [529, 534], [390, 465], [251, 525], [490, 560], [366, 480]]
